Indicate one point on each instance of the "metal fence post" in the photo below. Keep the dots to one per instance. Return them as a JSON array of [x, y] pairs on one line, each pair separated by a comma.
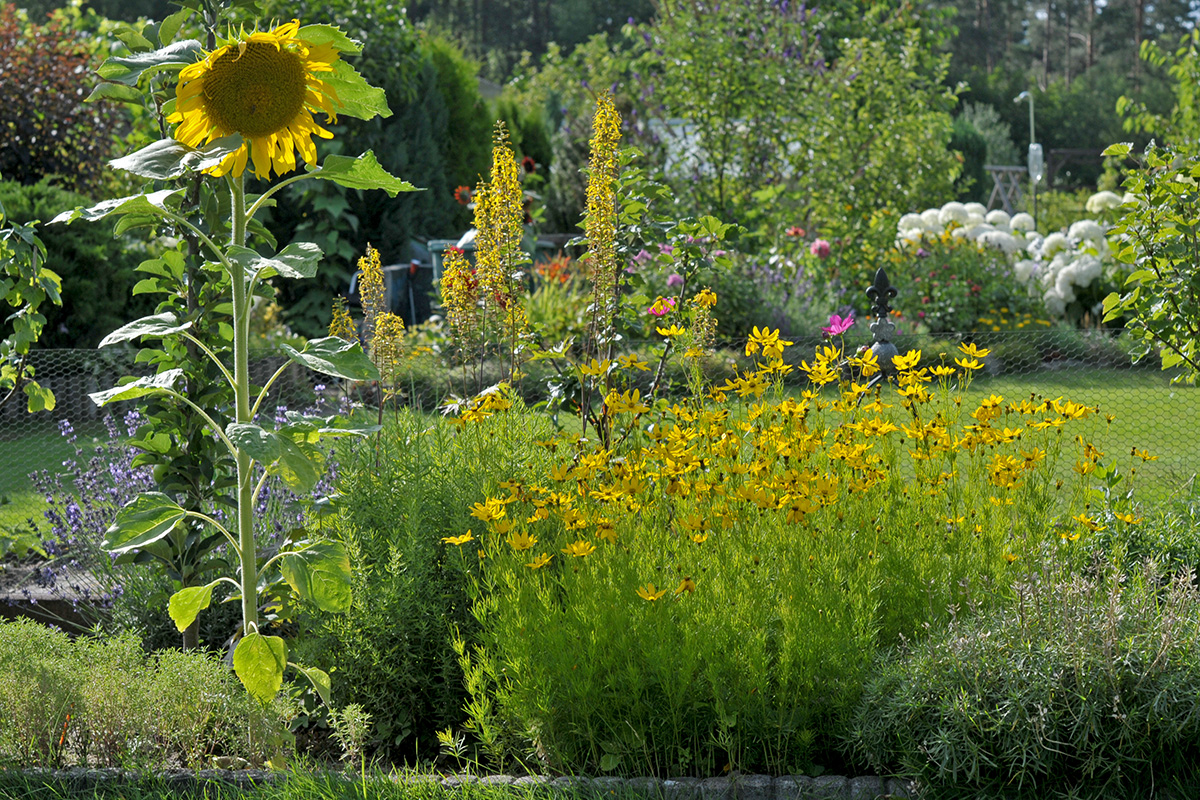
[[879, 293]]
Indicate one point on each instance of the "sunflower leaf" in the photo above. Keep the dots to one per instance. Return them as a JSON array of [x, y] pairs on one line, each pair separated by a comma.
[[139, 388], [355, 97], [320, 573], [297, 260], [143, 521], [157, 325], [259, 661], [334, 356], [152, 203], [129, 69], [115, 91], [329, 34], [363, 172]]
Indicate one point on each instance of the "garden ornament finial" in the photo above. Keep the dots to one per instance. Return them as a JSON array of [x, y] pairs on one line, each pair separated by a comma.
[[879, 293]]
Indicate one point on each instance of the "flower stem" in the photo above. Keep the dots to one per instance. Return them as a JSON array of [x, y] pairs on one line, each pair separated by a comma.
[[242, 414]]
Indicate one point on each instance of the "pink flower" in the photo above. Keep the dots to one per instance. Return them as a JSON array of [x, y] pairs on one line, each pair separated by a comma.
[[662, 306], [674, 280], [819, 248], [838, 325]]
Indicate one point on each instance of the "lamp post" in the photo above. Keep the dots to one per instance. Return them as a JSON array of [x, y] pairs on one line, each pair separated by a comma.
[[1036, 160]]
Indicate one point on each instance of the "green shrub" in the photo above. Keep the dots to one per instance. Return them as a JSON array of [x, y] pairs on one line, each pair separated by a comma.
[[1082, 683], [391, 653], [105, 702], [966, 140], [97, 270]]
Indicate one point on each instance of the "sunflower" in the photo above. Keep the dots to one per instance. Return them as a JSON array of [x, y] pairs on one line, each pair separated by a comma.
[[264, 86]]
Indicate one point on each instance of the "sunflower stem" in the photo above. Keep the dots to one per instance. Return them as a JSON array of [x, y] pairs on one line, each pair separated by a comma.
[[242, 414]]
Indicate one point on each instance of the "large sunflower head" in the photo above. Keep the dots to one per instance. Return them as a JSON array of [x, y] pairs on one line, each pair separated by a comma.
[[264, 86]]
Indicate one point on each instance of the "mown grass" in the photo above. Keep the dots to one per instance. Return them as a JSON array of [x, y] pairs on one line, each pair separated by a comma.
[[303, 783]]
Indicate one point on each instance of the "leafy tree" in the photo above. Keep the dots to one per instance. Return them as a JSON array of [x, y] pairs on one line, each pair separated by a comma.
[[972, 183], [45, 126]]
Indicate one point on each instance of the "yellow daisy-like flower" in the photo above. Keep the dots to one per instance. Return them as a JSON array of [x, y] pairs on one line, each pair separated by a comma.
[[650, 592], [459, 540], [580, 548], [264, 86], [539, 562]]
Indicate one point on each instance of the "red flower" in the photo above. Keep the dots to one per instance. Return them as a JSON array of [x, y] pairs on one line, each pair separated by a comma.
[[796, 231], [528, 164], [463, 195]]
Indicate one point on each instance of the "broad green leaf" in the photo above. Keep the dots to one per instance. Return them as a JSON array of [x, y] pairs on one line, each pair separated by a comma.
[[167, 159], [171, 25], [320, 573], [158, 325], [186, 604], [318, 678], [138, 388], [40, 398], [1119, 149], [330, 34], [259, 661], [335, 356], [132, 38], [294, 466], [363, 172], [129, 69], [152, 203], [260, 444], [115, 91], [355, 97], [297, 260], [142, 521]]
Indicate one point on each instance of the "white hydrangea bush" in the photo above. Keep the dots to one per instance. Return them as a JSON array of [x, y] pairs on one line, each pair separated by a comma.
[[1061, 268]]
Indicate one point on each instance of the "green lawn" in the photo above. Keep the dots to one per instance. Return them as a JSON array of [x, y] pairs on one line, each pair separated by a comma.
[[1148, 413]]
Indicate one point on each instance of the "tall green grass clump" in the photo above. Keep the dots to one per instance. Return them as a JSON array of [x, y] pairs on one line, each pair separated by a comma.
[[391, 650], [107, 703], [1081, 682]]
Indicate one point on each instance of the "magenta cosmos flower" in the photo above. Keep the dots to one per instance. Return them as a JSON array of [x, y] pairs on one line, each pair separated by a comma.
[[820, 248], [838, 325]]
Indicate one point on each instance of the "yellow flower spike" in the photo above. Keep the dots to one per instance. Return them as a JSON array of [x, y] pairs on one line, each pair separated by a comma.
[[580, 548], [459, 540], [686, 585], [539, 562], [521, 541], [264, 86], [650, 592]]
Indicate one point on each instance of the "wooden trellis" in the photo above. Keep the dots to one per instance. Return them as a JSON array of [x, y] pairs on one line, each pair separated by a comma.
[[1006, 186]]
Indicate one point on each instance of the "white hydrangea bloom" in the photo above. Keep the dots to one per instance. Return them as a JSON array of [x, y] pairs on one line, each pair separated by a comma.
[[931, 218], [1103, 201], [1021, 222], [909, 222], [1054, 244], [1000, 240], [1087, 269], [976, 208], [1054, 303], [959, 233], [953, 212], [1129, 198], [1086, 230], [1025, 269], [998, 217]]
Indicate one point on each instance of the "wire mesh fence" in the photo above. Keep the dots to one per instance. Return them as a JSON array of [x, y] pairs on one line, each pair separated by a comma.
[[1139, 408], [31, 442]]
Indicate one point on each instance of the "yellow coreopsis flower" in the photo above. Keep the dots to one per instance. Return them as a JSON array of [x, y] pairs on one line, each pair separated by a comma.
[[672, 331], [521, 541], [459, 540], [539, 562], [686, 585], [650, 592], [580, 548], [907, 361], [264, 86]]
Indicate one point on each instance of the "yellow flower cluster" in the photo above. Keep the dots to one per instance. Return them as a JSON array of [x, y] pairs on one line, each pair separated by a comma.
[[387, 347], [499, 218], [460, 298], [819, 464], [340, 324], [371, 290], [704, 324], [600, 221]]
